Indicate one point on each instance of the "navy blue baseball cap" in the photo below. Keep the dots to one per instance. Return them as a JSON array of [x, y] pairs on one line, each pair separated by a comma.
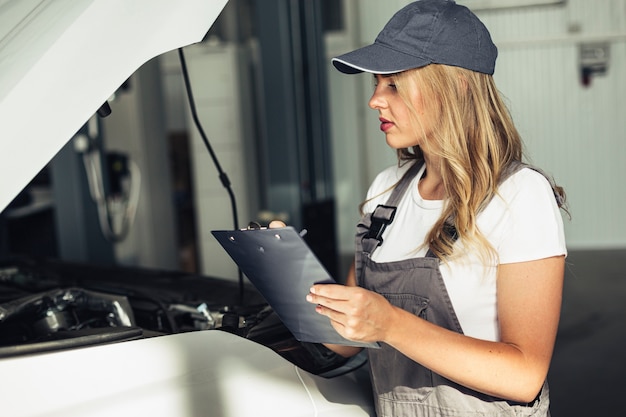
[[422, 33]]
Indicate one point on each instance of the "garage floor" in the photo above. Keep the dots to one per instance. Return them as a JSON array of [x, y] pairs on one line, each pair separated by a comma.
[[588, 373]]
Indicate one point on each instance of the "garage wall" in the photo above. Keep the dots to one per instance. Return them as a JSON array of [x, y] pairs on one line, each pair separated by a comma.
[[576, 131]]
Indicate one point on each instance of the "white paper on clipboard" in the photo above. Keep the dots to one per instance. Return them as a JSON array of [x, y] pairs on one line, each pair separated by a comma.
[[283, 268]]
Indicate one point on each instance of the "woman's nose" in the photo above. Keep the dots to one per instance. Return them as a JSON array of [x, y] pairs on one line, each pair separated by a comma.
[[376, 101]]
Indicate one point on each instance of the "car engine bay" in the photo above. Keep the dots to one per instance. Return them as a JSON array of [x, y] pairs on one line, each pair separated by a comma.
[[50, 305]]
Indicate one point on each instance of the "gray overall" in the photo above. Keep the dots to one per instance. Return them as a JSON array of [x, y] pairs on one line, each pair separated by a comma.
[[402, 387]]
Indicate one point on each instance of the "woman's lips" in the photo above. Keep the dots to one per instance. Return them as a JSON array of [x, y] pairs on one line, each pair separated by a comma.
[[385, 124]]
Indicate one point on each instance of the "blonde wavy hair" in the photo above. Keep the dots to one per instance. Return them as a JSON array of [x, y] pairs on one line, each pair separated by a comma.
[[475, 140]]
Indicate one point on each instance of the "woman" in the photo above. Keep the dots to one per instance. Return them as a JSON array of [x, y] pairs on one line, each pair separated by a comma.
[[460, 252]]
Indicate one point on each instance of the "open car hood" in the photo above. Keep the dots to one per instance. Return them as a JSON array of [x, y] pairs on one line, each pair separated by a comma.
[[60, 60]]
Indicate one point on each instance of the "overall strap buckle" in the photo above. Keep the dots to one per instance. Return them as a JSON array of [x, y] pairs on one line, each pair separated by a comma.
[[380, 218]]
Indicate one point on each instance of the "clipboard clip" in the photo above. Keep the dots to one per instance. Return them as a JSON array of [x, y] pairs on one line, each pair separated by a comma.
[[253, 226], [256, 226]]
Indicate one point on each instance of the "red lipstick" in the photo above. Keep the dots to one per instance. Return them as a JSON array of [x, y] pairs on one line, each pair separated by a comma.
[[385, 124]]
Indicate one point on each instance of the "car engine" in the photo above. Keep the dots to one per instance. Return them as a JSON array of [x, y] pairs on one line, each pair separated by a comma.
[[49, 305]]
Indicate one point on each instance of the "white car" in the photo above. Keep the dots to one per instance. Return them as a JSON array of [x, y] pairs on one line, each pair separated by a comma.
[[73, 343]]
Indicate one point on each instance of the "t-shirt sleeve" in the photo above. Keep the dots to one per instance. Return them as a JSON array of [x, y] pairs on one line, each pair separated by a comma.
[[531, 225]]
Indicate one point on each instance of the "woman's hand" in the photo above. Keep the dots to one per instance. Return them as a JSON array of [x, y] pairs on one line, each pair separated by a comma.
[[353, 311], [356, 313], [275, 224]]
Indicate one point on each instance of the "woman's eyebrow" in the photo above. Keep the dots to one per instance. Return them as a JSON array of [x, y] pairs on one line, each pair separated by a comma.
[[384, 76]]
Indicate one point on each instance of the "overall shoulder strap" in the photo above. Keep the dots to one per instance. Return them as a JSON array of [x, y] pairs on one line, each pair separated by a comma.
[[383, 214]]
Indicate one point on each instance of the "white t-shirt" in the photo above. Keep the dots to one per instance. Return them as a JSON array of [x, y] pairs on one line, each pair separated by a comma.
[[522, 223]]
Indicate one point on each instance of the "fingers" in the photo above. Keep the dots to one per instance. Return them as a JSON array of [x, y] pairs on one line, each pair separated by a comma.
[[275, 224], [356, 313], [332, 291], [330, 308], [337, 297], [322, 301], [346, 313], [333, 298]]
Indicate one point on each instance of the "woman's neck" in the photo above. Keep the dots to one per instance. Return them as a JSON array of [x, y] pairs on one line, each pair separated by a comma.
[[431, 186]]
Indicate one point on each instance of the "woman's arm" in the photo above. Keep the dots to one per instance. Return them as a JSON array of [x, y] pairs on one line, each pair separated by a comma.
[[346, 351], [529, 304]]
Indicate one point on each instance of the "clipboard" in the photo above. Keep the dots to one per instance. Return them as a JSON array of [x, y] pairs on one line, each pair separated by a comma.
[[283, 268]]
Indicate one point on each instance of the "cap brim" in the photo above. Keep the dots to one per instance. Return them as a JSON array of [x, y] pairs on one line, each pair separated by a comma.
[[377, 59]]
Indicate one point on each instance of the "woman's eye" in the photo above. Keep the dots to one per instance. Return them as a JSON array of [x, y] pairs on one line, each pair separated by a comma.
[[376, 82], [391, 87]]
